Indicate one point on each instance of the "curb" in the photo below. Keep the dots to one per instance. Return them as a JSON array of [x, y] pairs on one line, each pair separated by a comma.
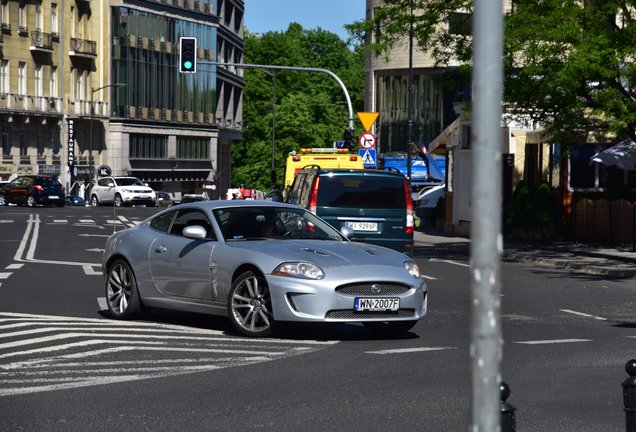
[[578, 267]]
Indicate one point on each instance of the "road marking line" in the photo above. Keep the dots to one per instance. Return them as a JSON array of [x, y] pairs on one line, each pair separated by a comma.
[[5, 275], [553, 341], [409, 350], [583, 314], [28, 319], [429, 277], [14, 266], [449, 262], [60, 220], [101, 302], [90, 221]]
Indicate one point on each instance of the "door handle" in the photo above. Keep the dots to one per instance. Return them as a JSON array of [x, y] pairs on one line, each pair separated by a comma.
[[160, 249]]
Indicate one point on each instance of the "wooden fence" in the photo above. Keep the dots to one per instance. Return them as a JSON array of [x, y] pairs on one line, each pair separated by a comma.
[[611, 223]]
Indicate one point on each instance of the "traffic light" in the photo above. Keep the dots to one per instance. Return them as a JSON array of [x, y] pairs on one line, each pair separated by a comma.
[[349, 142], [187, 55]]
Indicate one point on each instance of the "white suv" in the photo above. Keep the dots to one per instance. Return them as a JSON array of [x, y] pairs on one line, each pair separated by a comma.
[[122, 191]]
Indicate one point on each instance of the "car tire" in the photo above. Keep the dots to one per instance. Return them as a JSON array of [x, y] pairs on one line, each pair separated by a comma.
[[30, 201], [60, 204], [390, 328], [250, 305], [122, 294], [3, 201], [94, 201], [117, 202]]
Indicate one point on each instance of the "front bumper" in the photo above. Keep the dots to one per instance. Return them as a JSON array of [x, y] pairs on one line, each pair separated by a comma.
[[332, 299]]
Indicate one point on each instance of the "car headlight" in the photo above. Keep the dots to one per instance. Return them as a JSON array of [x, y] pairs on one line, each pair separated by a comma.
[[303, 270], [413, 269]]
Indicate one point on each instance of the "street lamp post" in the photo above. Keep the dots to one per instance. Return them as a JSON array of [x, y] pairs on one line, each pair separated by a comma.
[[91, 161]]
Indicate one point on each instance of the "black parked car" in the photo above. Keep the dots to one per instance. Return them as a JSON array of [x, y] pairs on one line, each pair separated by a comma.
[[33, 190]]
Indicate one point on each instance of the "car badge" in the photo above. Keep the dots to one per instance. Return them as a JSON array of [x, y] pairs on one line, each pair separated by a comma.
[[361, 212], [376, 288]]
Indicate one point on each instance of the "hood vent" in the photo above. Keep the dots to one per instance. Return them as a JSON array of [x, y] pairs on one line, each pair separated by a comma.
[[314, 251]]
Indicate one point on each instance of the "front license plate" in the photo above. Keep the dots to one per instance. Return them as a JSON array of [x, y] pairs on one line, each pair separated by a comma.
[[361, 304], [54, 197], [362, 226]]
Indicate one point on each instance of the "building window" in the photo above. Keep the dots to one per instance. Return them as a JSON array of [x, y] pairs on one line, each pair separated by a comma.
[[23, 145], [54, 28], [146, 146], [193, 147], [4, 14], [38, 18], [38, 80], [53, 82], [22, 19], [79, 84], [21, 78], [4, 77], [6, 143], [39, 143]]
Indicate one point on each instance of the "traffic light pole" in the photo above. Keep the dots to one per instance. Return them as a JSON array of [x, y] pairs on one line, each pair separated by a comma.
[[292, 68]]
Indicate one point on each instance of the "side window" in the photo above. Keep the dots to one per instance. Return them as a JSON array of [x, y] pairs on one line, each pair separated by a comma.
[[162, 223], [188, 217]]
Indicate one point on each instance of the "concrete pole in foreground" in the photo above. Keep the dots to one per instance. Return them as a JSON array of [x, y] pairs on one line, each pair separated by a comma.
[[486, 238]]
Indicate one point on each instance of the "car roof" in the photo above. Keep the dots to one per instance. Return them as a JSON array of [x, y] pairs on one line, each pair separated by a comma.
[[215, 204], [363, 172]]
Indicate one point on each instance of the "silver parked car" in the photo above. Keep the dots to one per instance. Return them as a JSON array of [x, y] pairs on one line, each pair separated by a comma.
[[259, 262]]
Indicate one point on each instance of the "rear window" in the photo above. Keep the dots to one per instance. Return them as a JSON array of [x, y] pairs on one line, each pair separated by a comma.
[[361, 192], [47, 181]]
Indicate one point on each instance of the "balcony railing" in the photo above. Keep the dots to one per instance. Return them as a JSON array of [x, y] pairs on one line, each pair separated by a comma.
[[41, 41], [83, 48]]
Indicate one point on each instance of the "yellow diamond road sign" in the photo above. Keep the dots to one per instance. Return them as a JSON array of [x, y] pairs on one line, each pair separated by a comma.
[[367, 119]]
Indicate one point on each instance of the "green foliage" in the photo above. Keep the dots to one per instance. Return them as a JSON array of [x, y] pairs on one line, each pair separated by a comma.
[[567, 64], [533, 209], [310, 109]]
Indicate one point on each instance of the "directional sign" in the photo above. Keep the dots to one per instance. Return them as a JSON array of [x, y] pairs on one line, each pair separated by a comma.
[[367, 141], [367, 119], [368, 158]]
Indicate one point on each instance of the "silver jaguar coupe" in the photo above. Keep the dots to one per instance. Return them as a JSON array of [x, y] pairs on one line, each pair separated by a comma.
[[259, 262]]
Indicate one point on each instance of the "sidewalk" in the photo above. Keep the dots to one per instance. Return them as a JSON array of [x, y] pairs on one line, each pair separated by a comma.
[[577, 257]]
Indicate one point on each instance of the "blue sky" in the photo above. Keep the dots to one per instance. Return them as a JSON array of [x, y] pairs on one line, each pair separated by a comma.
[[262, 16]]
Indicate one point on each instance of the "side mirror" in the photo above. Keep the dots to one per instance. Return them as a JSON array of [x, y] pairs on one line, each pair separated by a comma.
[[194, 232], [346, 231]]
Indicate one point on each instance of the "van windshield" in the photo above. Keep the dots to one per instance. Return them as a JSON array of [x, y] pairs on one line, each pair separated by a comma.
[[361, 191]]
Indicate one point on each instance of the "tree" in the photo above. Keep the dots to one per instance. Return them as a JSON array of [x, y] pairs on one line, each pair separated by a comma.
[[310, 108], [568, 65]]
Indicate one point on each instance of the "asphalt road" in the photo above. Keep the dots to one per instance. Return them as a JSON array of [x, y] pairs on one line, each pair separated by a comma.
[[64, 365]]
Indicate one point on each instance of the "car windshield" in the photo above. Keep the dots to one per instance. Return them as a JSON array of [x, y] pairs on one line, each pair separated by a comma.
[[129, 181], [258, 223], [360, 191]]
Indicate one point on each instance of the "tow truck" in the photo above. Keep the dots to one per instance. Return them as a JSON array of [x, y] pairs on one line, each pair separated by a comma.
[[323, 157]]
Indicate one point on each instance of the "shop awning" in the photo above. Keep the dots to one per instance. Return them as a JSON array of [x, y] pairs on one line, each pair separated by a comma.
[[621, 155]]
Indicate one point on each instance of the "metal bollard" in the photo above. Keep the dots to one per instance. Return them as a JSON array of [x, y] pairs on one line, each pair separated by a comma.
[[629, 396], [508, 423]]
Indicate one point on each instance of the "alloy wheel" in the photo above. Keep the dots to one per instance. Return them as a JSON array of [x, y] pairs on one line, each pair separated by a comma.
[[250, 305], [122, 296]]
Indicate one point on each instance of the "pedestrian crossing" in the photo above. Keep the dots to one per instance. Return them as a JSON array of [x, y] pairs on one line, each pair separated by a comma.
[[40, 353]]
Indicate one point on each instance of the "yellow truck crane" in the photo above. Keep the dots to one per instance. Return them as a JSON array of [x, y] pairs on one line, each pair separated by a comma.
[[323, 157]]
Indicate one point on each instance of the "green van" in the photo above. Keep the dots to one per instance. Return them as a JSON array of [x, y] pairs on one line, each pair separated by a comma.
[[375, 204]]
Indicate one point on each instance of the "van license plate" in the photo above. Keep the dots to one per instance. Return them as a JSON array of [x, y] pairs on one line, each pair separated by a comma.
[[362, 226], [361, 304]]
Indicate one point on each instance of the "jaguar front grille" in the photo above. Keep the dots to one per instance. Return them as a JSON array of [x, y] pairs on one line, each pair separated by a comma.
[[373, 289]]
